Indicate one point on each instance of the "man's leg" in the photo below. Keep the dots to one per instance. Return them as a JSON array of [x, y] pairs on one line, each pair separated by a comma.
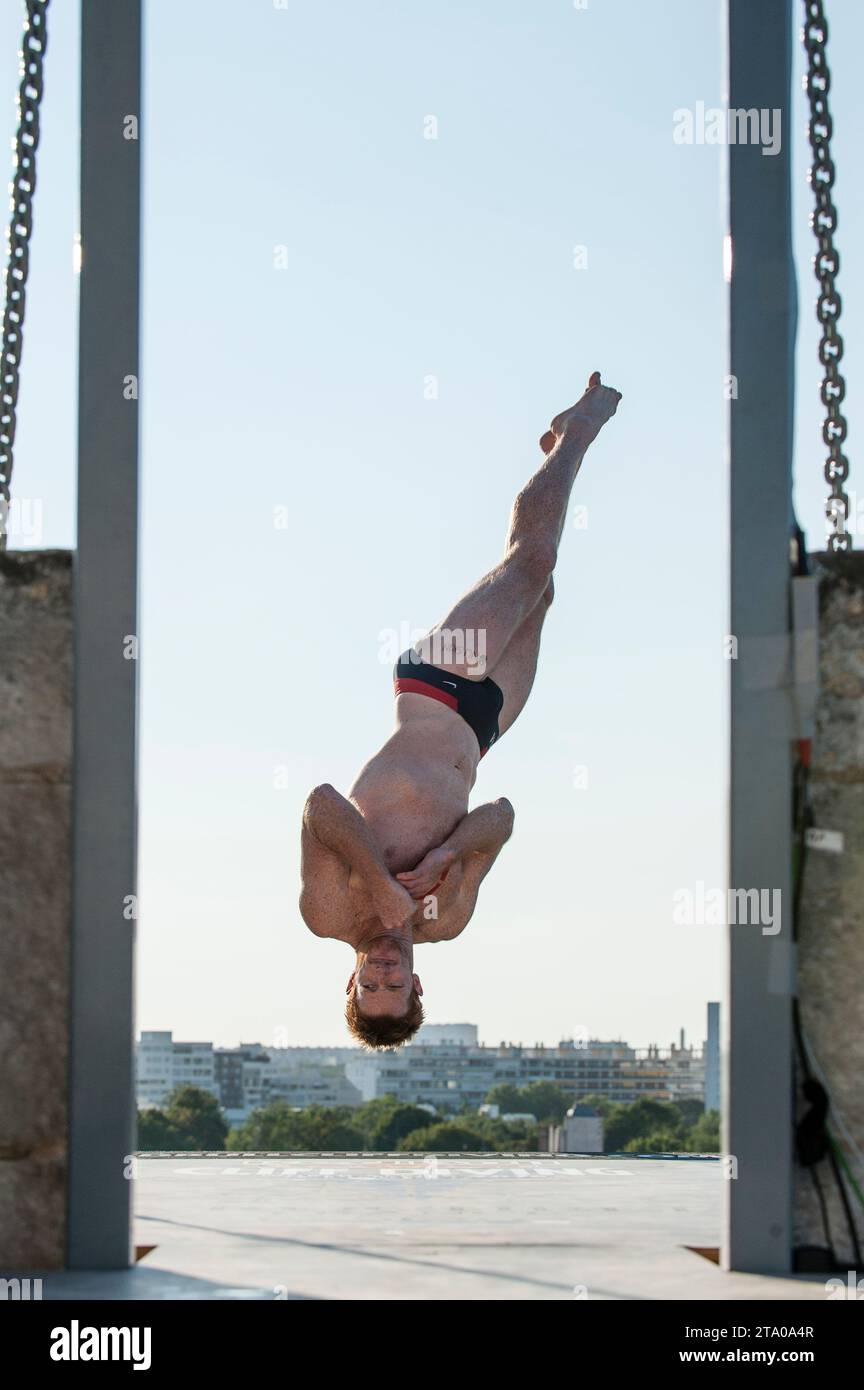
[[517, 668], [487, 618]]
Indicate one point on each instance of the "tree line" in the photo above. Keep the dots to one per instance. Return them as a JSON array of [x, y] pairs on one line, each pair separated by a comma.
[[192, 1120]]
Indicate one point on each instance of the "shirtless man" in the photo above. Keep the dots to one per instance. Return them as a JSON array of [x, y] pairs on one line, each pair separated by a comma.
[[400, 861]]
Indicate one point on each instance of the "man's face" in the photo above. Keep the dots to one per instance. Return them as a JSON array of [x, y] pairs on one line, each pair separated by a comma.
[[383, 978]]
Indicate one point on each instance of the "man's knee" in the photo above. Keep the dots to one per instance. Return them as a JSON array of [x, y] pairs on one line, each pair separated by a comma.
[[536, 560]]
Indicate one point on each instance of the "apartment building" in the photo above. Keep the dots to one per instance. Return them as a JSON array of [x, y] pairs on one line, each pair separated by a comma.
[[162, 1065]]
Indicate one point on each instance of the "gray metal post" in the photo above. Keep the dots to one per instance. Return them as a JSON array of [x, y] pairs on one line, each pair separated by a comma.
[[758, 1043], [101, 1079]]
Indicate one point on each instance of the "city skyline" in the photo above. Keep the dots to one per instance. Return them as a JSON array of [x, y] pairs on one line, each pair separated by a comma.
[[348, 1043], [448, 1069]]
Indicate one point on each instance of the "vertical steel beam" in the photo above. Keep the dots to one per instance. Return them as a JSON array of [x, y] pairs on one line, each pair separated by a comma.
[[104, 846], [758, 1043]]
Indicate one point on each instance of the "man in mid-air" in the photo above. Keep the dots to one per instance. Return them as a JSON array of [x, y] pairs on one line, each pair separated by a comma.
[[400, 861]]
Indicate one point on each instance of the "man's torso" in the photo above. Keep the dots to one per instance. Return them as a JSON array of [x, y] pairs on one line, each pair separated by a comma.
[[412, 794]]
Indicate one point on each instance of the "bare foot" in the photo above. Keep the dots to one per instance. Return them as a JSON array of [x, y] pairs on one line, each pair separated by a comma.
[[584, 420]]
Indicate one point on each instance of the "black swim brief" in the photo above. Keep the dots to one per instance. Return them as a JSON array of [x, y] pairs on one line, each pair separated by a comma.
[[478, 702]]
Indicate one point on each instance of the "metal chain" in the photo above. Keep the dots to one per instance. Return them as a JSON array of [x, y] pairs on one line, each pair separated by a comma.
[[22, 188], [826, 264]]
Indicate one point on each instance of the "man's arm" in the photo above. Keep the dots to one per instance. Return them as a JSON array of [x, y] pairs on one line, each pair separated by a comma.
[[336, 839], [477, 841], [483, 831]]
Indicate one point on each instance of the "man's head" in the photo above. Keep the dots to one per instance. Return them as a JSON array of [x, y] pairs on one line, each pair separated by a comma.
[[384, 1008]]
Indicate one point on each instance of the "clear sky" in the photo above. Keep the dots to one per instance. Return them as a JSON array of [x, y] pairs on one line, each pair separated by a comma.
[[311, 260]]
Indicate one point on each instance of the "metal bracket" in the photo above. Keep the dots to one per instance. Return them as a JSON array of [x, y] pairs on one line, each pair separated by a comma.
[[789, 661]]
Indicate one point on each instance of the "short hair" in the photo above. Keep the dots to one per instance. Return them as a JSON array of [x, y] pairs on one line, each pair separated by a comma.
[[386, 1030]]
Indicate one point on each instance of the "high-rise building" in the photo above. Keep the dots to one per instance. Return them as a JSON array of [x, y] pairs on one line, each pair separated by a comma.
[[239, 1075], [162, 1065], [685, 1071], [430, 1033], [450, 1075], [712, 1059], [154, 1069]]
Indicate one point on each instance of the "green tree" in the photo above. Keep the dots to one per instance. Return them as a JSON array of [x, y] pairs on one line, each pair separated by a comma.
[[156, 1133], [508, 1137], [602, 1104], [546, 1101], [625, 1124], [543, 1099], [198, 1114], [275, 1127], [278, 1127], [690, 1110], [396, 1123], [340, 1136], [444, 1137], [507, 1097], [371, 1114], [659, 1141], [191, 1120], [704, 1136]]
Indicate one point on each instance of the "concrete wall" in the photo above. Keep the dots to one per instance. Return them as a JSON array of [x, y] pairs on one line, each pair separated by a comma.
[[35, 877], [831, 941]]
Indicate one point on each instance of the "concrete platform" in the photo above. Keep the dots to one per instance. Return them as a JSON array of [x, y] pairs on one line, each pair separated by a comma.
[[427, 1227]]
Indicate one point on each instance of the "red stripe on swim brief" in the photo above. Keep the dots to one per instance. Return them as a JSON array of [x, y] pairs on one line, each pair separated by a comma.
[[408, 686]]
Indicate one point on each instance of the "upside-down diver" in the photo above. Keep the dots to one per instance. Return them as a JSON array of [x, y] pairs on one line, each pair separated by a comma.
[[399, 861]]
